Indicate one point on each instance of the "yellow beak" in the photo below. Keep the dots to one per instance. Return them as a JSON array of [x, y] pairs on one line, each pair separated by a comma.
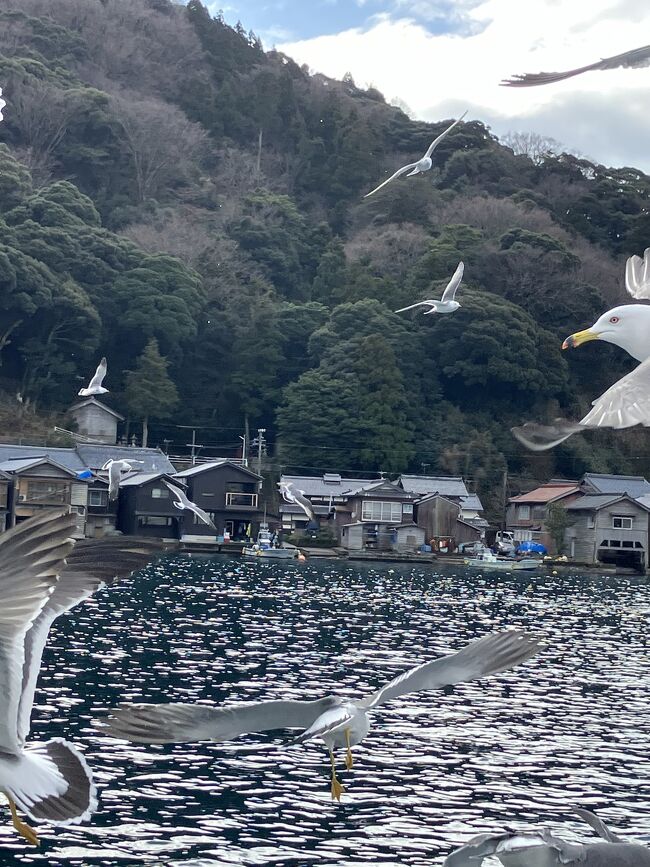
[[580, 337]]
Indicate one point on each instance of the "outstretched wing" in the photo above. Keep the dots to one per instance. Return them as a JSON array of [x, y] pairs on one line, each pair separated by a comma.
[[450, 292], [522, 850], [185, 723], [418, 304], [637, 275], [434, 144], [100, 373], [31, 557], [635, 58], [92, 564], [301, 500], [597, 825], [489, 655], [391, 178], [539, 437], [625, 404]]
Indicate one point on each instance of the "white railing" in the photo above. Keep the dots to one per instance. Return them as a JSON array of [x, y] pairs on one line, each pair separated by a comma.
[[248, 501]]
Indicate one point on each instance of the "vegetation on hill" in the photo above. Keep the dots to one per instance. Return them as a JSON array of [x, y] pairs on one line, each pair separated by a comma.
[[166, 185]]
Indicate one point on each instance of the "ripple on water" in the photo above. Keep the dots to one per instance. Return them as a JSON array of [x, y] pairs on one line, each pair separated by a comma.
[[571, 727]]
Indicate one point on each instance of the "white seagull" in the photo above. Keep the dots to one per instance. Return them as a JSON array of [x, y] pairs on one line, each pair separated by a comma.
[[447, 303], [627, 402], [2, 105], [43, 574], [95, 384], [298, 498], [336, 721], [115, 470], [542, 849], [421, 165], [636, 58], [182, 502]]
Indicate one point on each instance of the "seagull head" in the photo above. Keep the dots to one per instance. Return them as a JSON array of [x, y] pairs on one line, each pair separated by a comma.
[[627, 326]]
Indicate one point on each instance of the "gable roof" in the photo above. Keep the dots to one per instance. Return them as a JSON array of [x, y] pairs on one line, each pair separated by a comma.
[[593, 502], [382, 487], [92, 401], [136, 480], [448, 486], [329, 484], [17, 465], [65, 457], [471, 502], [197, 469], [547, 493], [95, 456], [602, 483]]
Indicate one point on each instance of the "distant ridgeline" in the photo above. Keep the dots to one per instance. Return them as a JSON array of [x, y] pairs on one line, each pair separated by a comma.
[[164, 179]]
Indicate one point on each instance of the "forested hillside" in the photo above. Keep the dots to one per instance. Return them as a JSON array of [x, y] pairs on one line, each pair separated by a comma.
[[163, 177]]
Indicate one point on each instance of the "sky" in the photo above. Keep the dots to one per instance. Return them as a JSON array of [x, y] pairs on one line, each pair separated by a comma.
[[441, 57]]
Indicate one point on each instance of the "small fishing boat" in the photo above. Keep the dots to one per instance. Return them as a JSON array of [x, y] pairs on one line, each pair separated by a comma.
[[487, 559], [266, 547]]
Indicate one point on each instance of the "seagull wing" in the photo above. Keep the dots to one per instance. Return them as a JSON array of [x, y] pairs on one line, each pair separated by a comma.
[[543, 847], [539, 437], [114, 476], [100, 373], [597, 825], [391, 178], [301, 500], [89, 566], [490, 655], [625, 404], [327, 722], [186, 503], [434, 144], [637, 275], [450, 292], [185, 723], [31, 557], [636, 58], [418, 304]]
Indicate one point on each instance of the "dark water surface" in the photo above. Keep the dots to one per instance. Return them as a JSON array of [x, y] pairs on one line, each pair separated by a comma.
[[571, 727]]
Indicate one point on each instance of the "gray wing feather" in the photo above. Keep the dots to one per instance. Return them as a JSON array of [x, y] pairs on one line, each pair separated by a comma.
[[638, 57], [490, 655], [31, 558], [418, 304], [434, 144], [185, 723], [328, 721], [100, 373], [637, 275], [539, 437], [305, 505], [450, 292], [597, 825], [625, 404], [185, 503], [391, 178], [89, 566], [522, 850]]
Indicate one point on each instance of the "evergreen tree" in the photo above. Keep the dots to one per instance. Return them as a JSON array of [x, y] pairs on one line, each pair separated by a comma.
[[150, 393]]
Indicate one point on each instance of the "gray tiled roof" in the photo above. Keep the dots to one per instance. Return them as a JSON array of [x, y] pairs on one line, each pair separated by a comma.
[[210, 465], [95, 456], [137, 479], [448, 486], [635, 486], [316, 486], [66, 457], [594, 501], [471, 502]]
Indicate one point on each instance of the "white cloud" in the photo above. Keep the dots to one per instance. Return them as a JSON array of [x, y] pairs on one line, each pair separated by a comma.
[[602, 114]]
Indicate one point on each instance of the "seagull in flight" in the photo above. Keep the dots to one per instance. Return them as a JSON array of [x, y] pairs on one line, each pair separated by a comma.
[[298, 498], [636, 58], [43, 574], [115, 470], [627, 402], [95, 384], [542, 849], [338, 722], [447, 303], [421, 165], [182, 502]]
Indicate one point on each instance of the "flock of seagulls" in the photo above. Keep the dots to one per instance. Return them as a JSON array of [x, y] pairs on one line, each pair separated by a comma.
[[44, 573]]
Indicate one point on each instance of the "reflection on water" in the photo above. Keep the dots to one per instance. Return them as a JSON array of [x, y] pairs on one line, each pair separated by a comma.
[[571, 727]]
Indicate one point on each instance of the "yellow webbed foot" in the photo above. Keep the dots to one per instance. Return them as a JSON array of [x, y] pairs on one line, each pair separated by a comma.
[[337, 789], [22, 827]]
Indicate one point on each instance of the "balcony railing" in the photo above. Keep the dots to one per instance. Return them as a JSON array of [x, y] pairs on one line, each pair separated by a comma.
[[237, 500]]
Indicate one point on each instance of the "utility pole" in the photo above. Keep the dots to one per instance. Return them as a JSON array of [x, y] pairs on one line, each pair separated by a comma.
[[244, 450], [505, 497], [260, 444], [194, 446]]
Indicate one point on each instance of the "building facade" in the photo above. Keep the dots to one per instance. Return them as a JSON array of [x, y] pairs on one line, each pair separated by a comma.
[[608, 528]]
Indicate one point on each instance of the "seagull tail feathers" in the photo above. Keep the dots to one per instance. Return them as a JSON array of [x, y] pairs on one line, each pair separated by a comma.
[[52, 783]]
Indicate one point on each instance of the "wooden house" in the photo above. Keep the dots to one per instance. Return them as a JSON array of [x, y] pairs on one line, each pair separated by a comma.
[[608, 528], [441, 521], [146, 507], [96, 421]]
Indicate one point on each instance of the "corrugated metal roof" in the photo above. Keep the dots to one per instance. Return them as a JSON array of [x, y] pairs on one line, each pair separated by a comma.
[[210, 465], [95, 456], [317, 486], [545, 494], [448, 486], [635, 486]]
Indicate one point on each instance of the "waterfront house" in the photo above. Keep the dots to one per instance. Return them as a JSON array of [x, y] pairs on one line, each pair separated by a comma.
[[602, 483], [6, 493], [379, 506], [608, 528], [440, 518], [526, 514], [229, 493], [329, 495], [146, 507], [452, 488]]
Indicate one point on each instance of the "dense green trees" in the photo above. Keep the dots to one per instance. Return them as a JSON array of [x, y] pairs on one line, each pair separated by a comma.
[[213, 219]]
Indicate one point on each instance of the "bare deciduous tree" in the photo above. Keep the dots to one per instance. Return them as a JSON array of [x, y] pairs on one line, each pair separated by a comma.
[[536, 147]]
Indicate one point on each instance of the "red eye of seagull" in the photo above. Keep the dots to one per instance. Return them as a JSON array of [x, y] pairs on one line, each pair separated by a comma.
[[613, 319]]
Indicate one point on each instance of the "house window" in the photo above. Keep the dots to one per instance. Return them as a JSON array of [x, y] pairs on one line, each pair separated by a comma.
[[237, 499], [407, 508], [154, 521], [628, 544], [210, 515], [591, 522], [385, 512], [47, 492], [160, 493], [523, 513], [242, 487], [97, 498], [622, 522]]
